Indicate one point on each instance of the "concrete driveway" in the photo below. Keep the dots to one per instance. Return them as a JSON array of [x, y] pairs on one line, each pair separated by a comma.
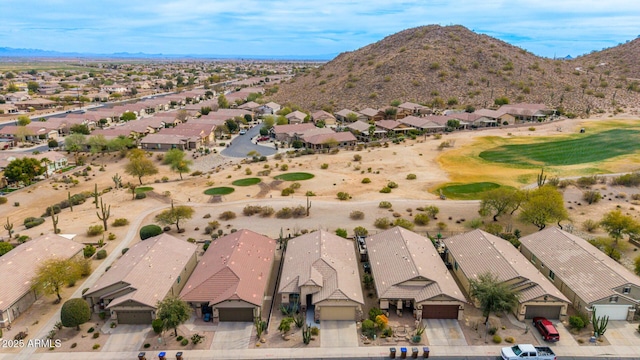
[[622, 333], [444, 332], [232, 335], [338, 333], [566, 339], [125, 337], [241, 145]]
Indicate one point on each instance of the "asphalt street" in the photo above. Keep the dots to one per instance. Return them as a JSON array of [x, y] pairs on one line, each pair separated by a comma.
[[242, 145]]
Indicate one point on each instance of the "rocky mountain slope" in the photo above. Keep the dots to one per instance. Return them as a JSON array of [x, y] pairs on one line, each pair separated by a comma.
[[453, 67]]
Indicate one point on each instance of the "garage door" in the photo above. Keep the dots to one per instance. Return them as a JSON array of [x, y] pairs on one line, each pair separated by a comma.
[[236, 314], [338, 313], [134, 317], [549, 312], [440, 311], [614, 312]]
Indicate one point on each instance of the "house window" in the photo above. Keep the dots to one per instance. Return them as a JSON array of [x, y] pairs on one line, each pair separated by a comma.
[[552, 275], [179, 279], [533, 259], [541, 265], [626, 290], [613, 299], [455, 265]]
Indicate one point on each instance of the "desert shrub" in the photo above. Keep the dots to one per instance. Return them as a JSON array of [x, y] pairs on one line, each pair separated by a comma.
[[474, 223], [374, 313], [421, 219], [120, 222], [284, 213], [141, 195], [324, 166], [299, 211], [411, 176], [510, 340], [366, 180], [287, 191], [3, 200], [385, 190], [368, 328], [591, 196], [96, 346], [32, 222], [156, 324], [343, 196], [360, 231], [184, 342], [392, 184], [88, 251], [227, 215], [95, 230], [250, 210], [565, 183], [492, 330], [404, 223], [96, 335], [267, 211], [356, 215], [315, 331], [309, 193], [385, 205], [587, 181], [576, 322], [590, 225], [493, 228], [627, 180], [382, 223], [357, 157], [148, 231], [101, 254], [341, 232], [196, 173], [432, 211], [51, 210], [284, 167], [441, 225]]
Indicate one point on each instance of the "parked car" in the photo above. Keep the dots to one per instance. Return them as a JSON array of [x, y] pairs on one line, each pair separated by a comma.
[[243, 131], [546, 329], [367, 267], [263, 138], [527, 351]]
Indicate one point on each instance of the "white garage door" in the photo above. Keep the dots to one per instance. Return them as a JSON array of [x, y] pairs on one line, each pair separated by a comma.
[[614, 312]]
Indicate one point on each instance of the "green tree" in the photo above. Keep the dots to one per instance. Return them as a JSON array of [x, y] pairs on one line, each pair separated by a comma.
[[53, 274], [268, 121], [33, 86], [223, 103], [453, 124], [493, 295], [168, 85], [173, 312], [174, 215], [139, 165], [23, 120], [205, 110], [177, 161], [618, 225], [120, 143], [128, 116], [499, 201], [75, 143], [5, 247], [97, 144], [52, 144], [232, 126], [80, 129], [24, 170], [636, 263], [74, 313], [281, 120], [352, 117], [544, 205]]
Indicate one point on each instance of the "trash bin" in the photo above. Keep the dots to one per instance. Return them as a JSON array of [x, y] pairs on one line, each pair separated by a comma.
[[179, 355], [392, 353], [425, 352], [162, 356], [403, 352], [414, 352], [141, 356]]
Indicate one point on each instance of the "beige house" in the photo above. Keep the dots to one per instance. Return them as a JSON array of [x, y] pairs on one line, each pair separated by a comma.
[[149, 272], [477, 252], [321, 115], [588, 277], [320, 272], [231, 280], [19, 266], [411, 277]]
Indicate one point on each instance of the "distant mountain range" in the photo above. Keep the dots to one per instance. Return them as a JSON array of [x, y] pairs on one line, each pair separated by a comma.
[[7, 52]]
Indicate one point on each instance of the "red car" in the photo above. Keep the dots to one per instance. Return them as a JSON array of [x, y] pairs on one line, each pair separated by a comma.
[[546, 329]]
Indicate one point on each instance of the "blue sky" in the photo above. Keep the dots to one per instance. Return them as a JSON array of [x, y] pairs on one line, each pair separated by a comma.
[[305, 28]]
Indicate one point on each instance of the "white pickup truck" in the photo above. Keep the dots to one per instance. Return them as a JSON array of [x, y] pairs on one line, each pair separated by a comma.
[[527, 351]]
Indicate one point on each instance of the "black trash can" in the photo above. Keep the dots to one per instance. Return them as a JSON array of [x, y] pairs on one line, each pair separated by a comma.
[[403, 352], [141, 356], [179, 355], [425, 352], [392, 353], [414, 352]]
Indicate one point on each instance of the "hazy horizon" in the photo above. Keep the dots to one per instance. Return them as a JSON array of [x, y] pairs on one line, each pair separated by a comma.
[[300, 29]]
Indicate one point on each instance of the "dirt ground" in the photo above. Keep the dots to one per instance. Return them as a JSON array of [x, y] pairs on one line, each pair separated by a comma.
[[343, 173], [170, 342]]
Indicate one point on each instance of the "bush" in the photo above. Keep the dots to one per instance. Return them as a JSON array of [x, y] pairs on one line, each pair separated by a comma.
[[95, 230], [385, 205], [96, 335], [3, 200], [366, 180], [250, 210], [184, 342], [198, 172], [627, 180], [88, 251], [343, 196], [510, 339], [315, 331], [404, 223], [586, 181], [356, 215], [497, 339], [360, 231], [287, 191], [179, 338], [32, 222], [120, 222], [342, 233], [432, 211], [591, 196], [101, 254], [368, 328], [411, 176], [91, 329], [96, 346], [385, 190], [227, 215], [284, 213], [576, 322], [148, 231], [392, 185], [421, 219], [299, 211], [590, 225], [357, 157], [267, 211], [284, 167], [324, 166], [52, 210], [382, 223], [374, 312], [156, 324]]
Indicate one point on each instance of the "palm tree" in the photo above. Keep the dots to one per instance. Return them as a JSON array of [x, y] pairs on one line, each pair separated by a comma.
[[492, 294]]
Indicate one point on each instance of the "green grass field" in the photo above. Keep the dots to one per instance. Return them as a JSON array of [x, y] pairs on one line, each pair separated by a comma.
[[246, 182], [577, 150], [143, 189], [470, 191], [223, 190], [295, 176]]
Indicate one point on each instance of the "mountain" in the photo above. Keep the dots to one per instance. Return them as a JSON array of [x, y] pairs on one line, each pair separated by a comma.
[[453, 67]]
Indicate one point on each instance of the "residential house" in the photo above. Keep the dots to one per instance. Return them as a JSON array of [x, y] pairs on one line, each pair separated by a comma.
[[410, 276], [372, 114], [363, 131], [8, 109], [231, 280], [296, 117], [269, 108], [477, 252], [249, 106], [320, 272], [199, 134], [147, 273], [288, 133], [164, 142], [518, 113], [328, 140], [323, 116], [344, 115], [409, 108], [422, 124], [37, 104], [589, 278], [393, 127], [19, 266]]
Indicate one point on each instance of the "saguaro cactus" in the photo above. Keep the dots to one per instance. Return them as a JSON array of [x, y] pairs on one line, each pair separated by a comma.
[[599, 324], [106, 212], [55, 219], [69, 200], [9, 227]]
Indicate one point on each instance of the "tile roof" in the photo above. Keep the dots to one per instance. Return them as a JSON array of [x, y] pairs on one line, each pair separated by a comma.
[[478, 252], [323, 259], [18, 266], [587, 271], [420, 122], [161, 138], [369, 112], [321, 115], [148, 270], [397, 256], [319, 139], [236, 266], [293, 128]]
